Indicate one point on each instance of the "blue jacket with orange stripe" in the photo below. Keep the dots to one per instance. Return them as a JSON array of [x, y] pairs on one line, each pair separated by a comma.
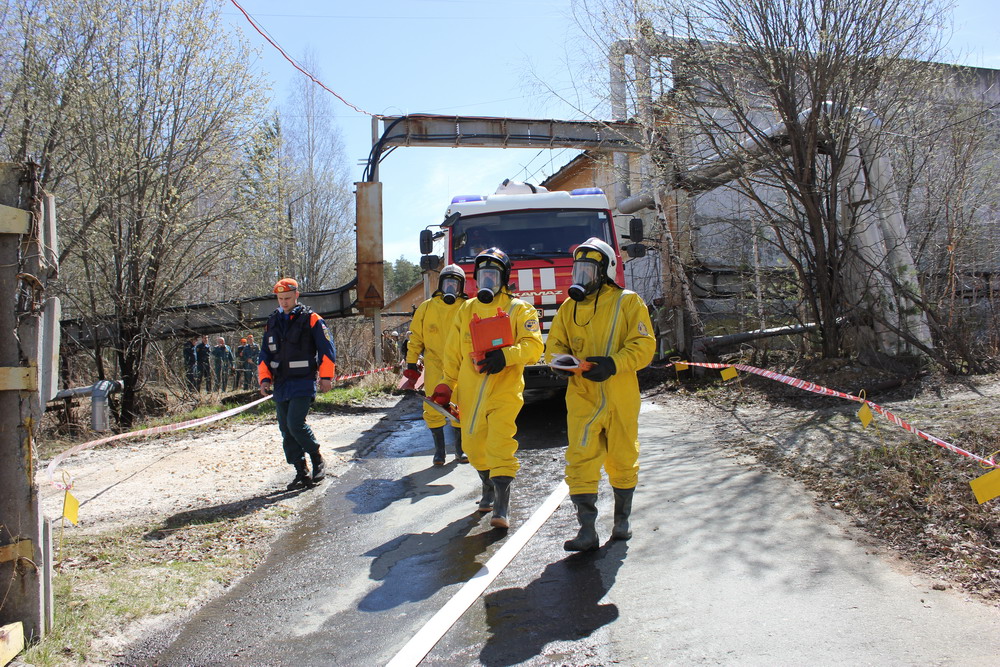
[[297, 348]]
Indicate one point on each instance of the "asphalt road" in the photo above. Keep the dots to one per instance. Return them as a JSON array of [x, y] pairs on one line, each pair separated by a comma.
[[728, 565]]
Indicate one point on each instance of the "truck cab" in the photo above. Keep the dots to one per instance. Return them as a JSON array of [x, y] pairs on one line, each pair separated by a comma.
[[538, 230]]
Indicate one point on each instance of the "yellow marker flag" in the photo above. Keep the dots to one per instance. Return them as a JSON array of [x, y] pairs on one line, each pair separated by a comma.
[[728, 373], [986, 487], [71, 508], [679, 366], [865, 415]]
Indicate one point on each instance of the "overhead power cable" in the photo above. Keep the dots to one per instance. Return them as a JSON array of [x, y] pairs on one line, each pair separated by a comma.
[[295, 64]]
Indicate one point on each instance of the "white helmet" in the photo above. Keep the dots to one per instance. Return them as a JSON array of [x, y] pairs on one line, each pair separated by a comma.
[[451, 283], [590, 271], [453, 270], [611, 260]]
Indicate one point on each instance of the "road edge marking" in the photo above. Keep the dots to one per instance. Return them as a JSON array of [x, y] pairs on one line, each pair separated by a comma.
[[431, 633]]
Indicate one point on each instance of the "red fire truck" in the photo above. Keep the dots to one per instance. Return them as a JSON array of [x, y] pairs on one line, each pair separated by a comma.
[[538, 230]]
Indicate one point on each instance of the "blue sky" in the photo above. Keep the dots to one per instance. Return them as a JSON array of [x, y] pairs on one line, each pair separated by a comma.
[[468, 57]]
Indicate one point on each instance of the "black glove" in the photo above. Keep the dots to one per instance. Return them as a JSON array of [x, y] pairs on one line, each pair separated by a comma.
[[604, 367], [494, 362]]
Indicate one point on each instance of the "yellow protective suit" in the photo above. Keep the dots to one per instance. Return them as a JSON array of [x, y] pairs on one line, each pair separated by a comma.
[[602, 418], [432, 322], [488, 404]]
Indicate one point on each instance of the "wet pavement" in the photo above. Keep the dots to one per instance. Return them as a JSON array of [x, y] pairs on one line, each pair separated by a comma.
[[729, 565]]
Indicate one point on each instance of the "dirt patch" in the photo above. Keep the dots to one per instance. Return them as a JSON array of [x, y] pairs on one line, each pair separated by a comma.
[[910, 496], [222, 470]]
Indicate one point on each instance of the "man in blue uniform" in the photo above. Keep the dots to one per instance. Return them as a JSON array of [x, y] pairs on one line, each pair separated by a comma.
[[297, 348], [222, 355]]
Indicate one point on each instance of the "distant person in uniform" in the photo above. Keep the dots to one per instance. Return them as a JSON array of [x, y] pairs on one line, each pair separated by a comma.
[[203, 361], [404, 346], [222, 354], [190, 363], [248, 359], [238, 363]]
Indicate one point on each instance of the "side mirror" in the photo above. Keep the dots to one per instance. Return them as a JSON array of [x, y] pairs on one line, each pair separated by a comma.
[[426, 241], [635, 250], [635, 231], [429, 262]]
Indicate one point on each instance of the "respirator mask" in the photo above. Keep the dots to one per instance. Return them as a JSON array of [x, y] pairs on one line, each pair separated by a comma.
[[586, 278], [450, 288], [489, 282]]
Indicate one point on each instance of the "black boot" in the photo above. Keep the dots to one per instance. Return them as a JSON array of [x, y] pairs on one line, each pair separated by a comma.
[[438, 435], [486, 502], [623, 508], [319, 466], [301, 476], [501, 487], [460, 456], [586, 514]]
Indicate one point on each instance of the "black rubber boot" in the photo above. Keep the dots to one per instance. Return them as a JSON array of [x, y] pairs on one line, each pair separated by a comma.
[[460, 456], [301, 476], [438, 435], [319, 466], [623, 508], [501, 487], [486, 502], [586, 514]]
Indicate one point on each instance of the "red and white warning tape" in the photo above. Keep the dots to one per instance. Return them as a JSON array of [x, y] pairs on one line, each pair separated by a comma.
[[818, 389], [166, 428], [362, 374]]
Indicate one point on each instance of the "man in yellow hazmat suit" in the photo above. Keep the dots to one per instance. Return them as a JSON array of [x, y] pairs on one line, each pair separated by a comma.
[[431, 324], [490, 384], [608, 327]]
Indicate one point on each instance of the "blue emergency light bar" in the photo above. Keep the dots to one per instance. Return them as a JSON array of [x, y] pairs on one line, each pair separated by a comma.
[[586, 191], [461, 199]]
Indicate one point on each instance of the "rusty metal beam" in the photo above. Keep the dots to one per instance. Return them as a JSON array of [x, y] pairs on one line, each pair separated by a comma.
[[487, 132], [210, 318]]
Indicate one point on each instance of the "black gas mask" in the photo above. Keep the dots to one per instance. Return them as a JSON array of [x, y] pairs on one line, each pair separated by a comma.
[[588, 274], [489, 282], [450, 288]]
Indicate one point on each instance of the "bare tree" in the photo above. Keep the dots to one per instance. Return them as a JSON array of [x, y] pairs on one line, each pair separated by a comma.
[[318, 194], [785, 104], [46, 52], [148, 158], [262, 193], [949, 188]]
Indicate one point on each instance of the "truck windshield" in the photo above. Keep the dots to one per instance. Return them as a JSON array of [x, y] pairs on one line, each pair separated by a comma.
[[538, 232]]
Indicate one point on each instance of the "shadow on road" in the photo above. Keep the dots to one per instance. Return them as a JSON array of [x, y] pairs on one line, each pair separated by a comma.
[[225, 511], [413, 567], [564, 603], [374, 495]]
